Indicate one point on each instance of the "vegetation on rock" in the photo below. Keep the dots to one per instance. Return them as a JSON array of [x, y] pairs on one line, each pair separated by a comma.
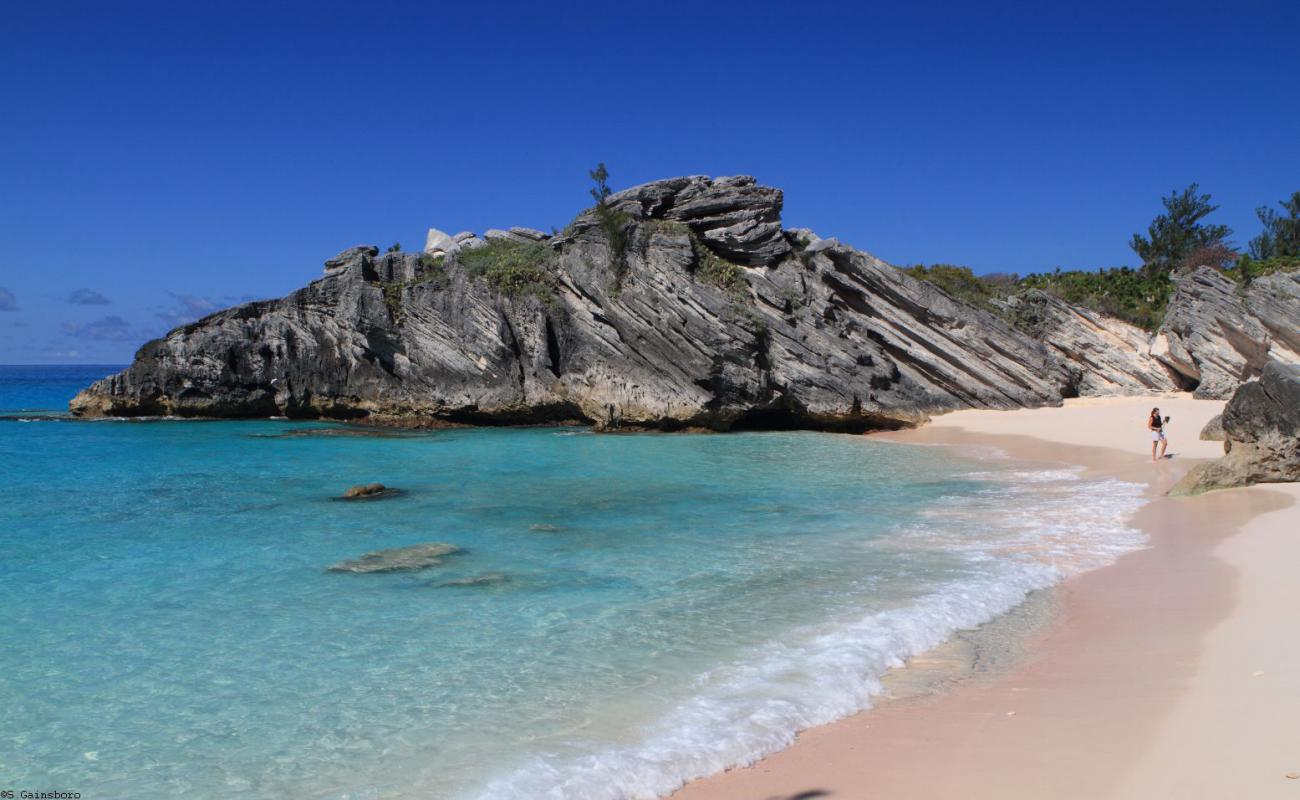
[[960, 282], [512, 268], [1281, 235], [1247, 269], [1177, 239], [1135, 296], [714, 269], [612, 221]]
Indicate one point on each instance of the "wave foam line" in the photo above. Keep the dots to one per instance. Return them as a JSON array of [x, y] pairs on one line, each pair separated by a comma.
[[746, 710]]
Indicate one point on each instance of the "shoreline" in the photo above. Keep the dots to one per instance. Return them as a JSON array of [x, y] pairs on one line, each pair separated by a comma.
[[1087, 708]]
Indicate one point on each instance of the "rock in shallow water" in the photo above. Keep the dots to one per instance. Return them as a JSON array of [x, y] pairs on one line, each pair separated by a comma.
[[487, 579], [398, 559], [368, 491]]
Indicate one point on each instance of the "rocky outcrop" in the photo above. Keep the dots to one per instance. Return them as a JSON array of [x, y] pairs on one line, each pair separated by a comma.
[[714, 317], [398, 559], [516, 235], [1262, 425], [1217, 335], [737, 218], [437, 243], [1111, 356]]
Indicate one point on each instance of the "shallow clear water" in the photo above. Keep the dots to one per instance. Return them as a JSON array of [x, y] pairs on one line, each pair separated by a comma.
[[650, 608]]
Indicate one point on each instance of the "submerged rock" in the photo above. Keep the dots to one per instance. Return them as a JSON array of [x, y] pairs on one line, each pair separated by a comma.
[[1262, 425], [487, 579], [369, 491], [364, 432], [398, 559]]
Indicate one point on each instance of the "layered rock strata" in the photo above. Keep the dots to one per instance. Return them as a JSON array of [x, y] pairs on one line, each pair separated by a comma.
[[1216, 335], [711, 316]]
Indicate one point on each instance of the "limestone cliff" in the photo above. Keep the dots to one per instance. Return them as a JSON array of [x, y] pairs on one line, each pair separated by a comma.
[[695, 309], [1217, 335], [1111, 356], [684, 304]]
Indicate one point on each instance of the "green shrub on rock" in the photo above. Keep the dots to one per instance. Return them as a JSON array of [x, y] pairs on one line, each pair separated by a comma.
[[510, 267]]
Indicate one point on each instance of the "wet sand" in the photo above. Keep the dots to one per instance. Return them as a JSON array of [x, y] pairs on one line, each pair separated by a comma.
[[1172, 673]]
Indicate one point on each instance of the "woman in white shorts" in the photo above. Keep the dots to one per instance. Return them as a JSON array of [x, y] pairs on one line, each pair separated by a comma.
[[1156, 424]]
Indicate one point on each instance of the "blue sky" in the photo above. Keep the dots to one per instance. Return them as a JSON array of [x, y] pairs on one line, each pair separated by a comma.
[[162, 160]]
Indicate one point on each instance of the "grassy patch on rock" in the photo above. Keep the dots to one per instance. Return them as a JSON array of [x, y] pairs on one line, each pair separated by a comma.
[[1131, 295], [1122, 293], [1247, 269], [514, 269], [712, 268]]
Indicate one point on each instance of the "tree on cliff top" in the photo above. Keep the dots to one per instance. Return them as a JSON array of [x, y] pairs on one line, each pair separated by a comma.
[[614, 223], [1178, 232], [1281, 235]]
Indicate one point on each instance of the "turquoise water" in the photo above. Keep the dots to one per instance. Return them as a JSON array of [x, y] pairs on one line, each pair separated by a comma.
[[629, 611]]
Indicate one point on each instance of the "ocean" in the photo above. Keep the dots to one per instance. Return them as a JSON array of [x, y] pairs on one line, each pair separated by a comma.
[[627, 610]]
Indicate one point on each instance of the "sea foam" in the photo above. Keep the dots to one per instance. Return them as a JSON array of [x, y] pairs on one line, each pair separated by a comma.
[[1035, 527]]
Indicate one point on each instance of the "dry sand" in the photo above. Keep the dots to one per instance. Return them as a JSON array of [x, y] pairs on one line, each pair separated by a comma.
[[1174, 673]]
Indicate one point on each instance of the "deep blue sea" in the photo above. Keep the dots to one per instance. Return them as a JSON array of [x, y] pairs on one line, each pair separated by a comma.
[[628, 611]]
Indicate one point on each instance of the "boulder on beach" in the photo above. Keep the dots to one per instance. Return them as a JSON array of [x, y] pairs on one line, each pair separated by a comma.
[[1262, 424], [398, 559], [1213, 430]]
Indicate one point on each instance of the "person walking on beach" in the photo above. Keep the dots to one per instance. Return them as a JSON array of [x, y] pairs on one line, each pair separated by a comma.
[[1156, 424]]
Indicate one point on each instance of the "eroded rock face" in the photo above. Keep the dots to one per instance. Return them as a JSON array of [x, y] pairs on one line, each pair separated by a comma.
[[720, 320], [739, 219], [1112, 357], [1262, 425], [1217, 335]]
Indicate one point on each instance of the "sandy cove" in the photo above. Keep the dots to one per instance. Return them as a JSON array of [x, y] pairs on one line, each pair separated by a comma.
[[1174, 672]]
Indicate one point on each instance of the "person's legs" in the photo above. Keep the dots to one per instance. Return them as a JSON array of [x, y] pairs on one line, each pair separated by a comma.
[[1153, 449], [1164, 443]]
